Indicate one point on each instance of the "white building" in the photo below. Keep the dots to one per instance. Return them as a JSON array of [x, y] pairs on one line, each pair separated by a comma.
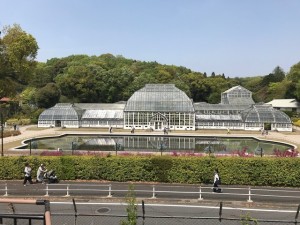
[[285, 105]]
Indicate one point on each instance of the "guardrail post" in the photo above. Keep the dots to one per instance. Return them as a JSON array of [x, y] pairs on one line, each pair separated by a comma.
[[249, 199], [47, 191], [6, 194], [200, 194], [153, 192], [67, 195], [297, 214], [109, 191], [220, 211], [143, 210]]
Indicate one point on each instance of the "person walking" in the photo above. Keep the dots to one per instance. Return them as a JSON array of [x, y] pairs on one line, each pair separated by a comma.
[[27, 176], [217, 182], [40, 173], [132, 129]]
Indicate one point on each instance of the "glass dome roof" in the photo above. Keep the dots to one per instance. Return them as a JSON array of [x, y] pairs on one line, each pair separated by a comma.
[[62, 111], [264, 114], [159, 98]]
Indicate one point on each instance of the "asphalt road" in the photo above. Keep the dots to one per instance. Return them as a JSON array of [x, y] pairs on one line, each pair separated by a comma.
[[166, 192], [103, 203], [113, 213]]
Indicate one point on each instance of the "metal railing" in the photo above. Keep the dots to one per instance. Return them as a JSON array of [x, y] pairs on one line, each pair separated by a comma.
[[148, 217], [81, 214], [153, 191], [30, 217]]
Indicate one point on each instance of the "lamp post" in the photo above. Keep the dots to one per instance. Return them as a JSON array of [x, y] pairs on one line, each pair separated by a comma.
[[72, 147], [30, 146], [2, 154]]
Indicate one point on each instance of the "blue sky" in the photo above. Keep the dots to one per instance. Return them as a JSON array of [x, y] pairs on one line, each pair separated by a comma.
[[236, 37]]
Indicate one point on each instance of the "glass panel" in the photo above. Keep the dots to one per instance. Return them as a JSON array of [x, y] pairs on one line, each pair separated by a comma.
[[159, 98]]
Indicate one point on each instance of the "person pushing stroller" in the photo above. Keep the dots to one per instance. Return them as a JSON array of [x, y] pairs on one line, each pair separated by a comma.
[[40, 174], [50, 177]]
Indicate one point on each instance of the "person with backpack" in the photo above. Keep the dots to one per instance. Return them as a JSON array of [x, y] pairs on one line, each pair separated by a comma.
[[217, 182]]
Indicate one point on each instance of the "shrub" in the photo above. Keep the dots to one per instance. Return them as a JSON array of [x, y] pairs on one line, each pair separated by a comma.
[[258, 171], [10, 133], [297, 123], [24, 121]]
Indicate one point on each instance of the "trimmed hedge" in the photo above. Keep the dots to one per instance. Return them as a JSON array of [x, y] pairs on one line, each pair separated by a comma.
[[10, 133], [233, 170], [23, 121]]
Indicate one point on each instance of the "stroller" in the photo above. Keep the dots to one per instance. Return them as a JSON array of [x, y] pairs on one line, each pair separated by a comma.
[[50, 177]]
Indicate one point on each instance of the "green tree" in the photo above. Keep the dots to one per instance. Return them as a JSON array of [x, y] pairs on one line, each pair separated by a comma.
[[275, 91], [41, 76], [297, 91], [47, 96], [28, 96], [294, 77], [86, 83], [212, 87], [18, 51], [279, 74], [194, 83]]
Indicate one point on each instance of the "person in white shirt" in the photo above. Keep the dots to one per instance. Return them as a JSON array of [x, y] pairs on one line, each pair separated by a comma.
[[27, 176], [40, 173], [216, 181]]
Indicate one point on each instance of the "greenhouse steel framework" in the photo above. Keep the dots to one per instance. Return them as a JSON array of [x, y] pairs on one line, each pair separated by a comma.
[[158, 107]]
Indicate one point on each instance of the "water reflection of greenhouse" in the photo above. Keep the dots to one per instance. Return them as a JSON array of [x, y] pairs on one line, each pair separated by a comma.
[[218, 145]]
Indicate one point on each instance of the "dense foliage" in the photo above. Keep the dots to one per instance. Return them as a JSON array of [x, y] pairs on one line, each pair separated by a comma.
[[107, 78], [18, 51], [233, 170]]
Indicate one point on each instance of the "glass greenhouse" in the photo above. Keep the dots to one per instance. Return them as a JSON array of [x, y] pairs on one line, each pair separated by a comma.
[[261, 116], [237, 96], [61, 115], [159, 106]]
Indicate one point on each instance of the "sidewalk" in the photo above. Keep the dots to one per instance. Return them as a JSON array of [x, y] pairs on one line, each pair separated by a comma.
[[26, 133]]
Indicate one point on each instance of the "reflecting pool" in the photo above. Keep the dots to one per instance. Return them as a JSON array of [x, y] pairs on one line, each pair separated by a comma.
[[139, 143]]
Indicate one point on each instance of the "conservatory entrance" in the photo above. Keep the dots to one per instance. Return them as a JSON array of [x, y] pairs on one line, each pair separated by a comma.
[[158, 122], [57, 123]]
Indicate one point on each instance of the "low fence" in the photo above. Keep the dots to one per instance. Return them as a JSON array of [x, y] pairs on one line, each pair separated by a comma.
[[158, 191], [249, 194], [80, 213]]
